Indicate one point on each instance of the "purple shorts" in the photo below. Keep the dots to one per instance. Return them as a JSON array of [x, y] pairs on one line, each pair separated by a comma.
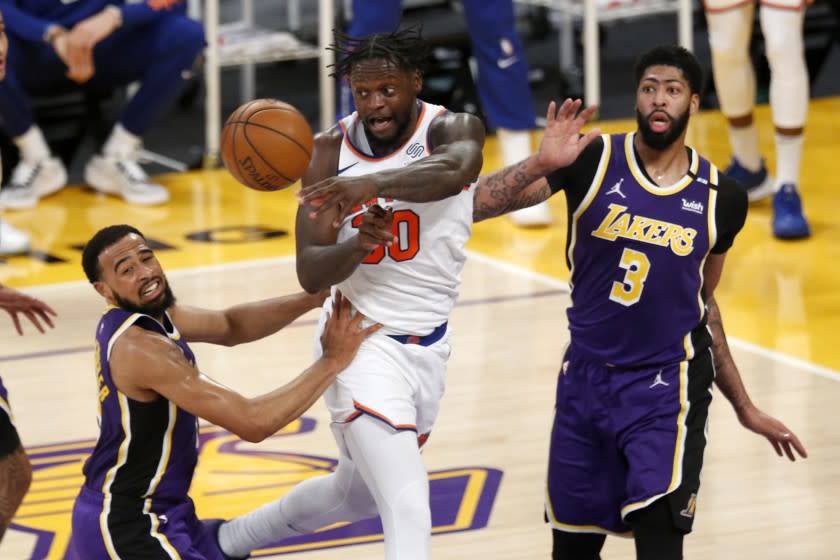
[[623, 438], [172, 532]]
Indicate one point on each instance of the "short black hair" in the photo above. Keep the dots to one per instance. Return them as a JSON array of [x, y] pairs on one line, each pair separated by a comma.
[[676, 56], [405, 48], [100, 241]]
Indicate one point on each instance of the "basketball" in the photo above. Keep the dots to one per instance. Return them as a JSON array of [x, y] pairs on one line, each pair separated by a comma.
[[266, 144]]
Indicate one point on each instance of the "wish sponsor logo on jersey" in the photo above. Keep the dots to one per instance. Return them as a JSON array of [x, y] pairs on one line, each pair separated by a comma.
[[234, 477], [692, 206], [620, 223]]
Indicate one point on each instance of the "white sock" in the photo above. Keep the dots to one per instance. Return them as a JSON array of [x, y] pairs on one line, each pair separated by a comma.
[[121, 143], [515, 145], [788, 157], [744, 141], [32, 145]]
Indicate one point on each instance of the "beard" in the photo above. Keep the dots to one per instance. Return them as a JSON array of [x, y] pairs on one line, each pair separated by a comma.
[[153, 308], [662, 140]]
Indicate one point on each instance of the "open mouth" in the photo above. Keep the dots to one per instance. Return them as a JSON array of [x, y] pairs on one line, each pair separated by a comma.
[[151, 291], [659, 121], [378, 125]]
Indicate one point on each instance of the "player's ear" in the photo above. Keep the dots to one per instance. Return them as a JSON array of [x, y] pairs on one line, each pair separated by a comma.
[[417, 82], [104, 290], [694, 104]]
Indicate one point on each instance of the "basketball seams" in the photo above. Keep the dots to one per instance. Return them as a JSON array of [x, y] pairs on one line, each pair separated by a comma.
[[257, 152]]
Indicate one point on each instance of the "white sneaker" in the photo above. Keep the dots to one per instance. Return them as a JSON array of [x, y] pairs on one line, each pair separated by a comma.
[[12, 240], [123, 177], [32, 181], [533, 216]]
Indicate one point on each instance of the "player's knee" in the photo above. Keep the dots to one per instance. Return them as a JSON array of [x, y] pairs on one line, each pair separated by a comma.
[[576, 546], [181, 37], [785, 50], [729, 36], [411, 507], [656, 535]]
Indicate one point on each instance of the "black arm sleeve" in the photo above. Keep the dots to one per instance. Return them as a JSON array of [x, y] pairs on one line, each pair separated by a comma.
[[576, 178], [730, 213]]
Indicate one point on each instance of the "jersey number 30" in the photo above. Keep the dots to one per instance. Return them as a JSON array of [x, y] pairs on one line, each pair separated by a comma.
[[629, 290], [407, 229]]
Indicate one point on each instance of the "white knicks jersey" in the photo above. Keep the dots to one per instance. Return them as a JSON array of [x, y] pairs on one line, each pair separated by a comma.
[[411, 286]]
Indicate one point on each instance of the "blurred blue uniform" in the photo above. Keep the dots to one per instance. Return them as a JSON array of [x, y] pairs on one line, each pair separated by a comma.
[[502, 68], [134, 501], [155, 45]]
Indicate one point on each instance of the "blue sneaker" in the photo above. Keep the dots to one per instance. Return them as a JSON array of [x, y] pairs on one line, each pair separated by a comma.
[[788, 220], [759, 184]]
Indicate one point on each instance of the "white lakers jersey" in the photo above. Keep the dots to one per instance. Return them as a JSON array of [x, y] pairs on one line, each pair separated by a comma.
[[411, 286]]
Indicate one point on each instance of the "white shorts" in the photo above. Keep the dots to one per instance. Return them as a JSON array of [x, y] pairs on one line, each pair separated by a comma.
[[398, 383], [723, 5]]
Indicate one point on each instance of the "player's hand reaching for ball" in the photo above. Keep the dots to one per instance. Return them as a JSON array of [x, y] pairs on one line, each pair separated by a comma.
[[344, 193], [343, 333], [562, 141], [14, 303], [376, 228]]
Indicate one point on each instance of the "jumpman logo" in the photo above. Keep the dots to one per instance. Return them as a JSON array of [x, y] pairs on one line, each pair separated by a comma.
[[658, 381], [616, 189]]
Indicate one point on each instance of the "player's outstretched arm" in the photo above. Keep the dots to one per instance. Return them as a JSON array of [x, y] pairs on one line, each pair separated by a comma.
[[729, 381], [17, 303], [523, 184], [146, 365], [245, 322], [457, 140]]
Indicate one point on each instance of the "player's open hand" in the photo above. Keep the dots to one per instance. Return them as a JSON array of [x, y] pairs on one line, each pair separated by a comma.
[[343, 333], [343, 193], [562, 141], [376, 228], [779, 436], [17, 303]]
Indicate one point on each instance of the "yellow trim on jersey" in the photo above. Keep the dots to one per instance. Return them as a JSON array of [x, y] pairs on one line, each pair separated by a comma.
[[130, 320], [122, 456], [587, 200], [552, 520], [646, 184], [164, 542], [7, 408], [166, 451], [679, 447]]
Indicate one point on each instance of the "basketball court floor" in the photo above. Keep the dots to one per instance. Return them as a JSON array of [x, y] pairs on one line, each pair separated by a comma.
[[223, 244]]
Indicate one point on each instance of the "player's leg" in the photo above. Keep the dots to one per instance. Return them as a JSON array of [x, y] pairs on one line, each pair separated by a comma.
[[15, 470], [391, 465], [662, 433], [730, 29], [310, 505], [576, 546], [159, 56], [503, 87], [38, 173], [785, 50], [585, 471], [369, 16]]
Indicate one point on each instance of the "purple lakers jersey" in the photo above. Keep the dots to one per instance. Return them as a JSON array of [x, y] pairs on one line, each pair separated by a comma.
[[636, 252], [145, 449]]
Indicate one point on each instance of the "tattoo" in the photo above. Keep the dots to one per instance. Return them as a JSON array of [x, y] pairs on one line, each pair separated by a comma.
[[15, 477], [505, 191], [727, 379]]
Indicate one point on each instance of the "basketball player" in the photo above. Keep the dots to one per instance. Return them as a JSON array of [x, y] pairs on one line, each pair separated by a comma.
[[12, 240], [134, 502], [730, 28], [15, 470], [393, 152], [59, 45], [650, 222], [501, 81]]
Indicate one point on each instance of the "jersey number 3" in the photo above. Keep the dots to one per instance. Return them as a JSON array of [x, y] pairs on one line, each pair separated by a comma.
[[629, 290], [407, 229]]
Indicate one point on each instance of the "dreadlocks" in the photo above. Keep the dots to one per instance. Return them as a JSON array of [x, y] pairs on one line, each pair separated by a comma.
[[405, 48]]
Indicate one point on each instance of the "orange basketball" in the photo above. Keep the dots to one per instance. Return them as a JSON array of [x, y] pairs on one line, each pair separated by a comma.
[[266, 144]]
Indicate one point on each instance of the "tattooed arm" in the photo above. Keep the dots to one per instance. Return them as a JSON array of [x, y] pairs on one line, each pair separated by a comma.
[[516, 186], [523, 184], [15, 477], [728, 379]]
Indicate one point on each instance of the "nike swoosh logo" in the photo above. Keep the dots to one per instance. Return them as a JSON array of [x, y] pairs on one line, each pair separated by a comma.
[[343, 169], [504, 63]]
